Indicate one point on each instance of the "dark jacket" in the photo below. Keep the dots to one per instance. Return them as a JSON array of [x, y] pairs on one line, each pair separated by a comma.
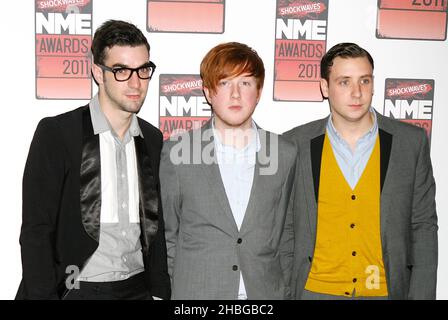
[[62, 205]]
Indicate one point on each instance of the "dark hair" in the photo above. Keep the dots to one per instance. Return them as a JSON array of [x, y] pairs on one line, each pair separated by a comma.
[[343, 50], [231, 59], [115, 33]]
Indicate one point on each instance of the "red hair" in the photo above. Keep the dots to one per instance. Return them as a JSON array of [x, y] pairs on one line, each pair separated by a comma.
[[229, 60]]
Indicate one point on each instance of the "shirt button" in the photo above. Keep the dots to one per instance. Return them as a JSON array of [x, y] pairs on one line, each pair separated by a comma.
[[352, 225], [353, 197], [239, 240], [123, 176], [354, 253], [123, 233], [124, 259], [235, 267], [123, 205]]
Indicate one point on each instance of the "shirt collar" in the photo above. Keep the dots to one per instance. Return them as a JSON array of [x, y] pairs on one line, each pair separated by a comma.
[[372, 131], [220, 147], [101, 124]]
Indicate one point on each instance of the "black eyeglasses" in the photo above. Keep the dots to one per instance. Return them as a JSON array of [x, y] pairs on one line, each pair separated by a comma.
[[144, 72]]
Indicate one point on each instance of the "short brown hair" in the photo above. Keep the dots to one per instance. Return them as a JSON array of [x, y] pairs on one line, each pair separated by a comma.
[[343, 50], [115, 33], [231, 59]]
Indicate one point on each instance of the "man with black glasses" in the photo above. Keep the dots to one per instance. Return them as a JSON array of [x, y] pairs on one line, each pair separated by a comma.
[[92, 221]]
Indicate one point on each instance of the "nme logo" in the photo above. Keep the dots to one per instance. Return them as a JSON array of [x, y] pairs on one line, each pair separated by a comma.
[[410, 100], [193, 16], [63, 40], [182, 105], [300, 43], [412, 19]]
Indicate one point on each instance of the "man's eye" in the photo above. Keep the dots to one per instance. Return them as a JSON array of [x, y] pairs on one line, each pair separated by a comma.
[[120, 70], [344, 82], [365, 81], [144, 70]]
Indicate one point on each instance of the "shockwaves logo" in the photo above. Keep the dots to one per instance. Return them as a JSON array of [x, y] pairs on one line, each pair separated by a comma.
[[300, 43], [193, 16], [412, 19], [63, 40], [410, 100], [182, 105]]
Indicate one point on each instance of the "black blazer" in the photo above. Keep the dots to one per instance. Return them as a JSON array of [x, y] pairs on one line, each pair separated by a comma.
[[62, 202]]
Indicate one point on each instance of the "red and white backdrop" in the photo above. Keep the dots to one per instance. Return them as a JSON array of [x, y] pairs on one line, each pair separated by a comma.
[[46, 71]]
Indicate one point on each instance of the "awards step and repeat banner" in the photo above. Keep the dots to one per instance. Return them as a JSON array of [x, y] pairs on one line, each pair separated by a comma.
[[412, 19], [411, 101], [407, 39], [198, 16], [182, 105], [300, 43], [63, 40]]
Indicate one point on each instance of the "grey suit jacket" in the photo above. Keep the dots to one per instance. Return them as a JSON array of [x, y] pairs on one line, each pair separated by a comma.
[[407, 207], [206, 251]]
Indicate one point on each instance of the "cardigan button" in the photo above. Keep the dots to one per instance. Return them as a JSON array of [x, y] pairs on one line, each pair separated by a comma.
[[353, 197]]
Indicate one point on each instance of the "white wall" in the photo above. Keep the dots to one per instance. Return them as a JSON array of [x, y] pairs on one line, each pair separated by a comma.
[[248, 21]]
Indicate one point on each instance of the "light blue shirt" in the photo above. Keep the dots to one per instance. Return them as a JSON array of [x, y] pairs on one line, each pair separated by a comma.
[[237, 167], [352, 164]]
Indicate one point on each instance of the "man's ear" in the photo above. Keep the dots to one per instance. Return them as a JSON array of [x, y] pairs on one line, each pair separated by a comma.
[[259, 94], [324, 87], [207, 94], [97, 73]]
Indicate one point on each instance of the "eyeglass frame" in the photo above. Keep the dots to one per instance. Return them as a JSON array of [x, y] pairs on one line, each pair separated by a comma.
[[150, 64]]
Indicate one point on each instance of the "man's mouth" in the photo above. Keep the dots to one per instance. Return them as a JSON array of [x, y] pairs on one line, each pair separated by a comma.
[[133, 96]]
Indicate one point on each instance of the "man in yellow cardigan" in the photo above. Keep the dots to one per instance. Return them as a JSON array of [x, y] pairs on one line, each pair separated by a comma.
[[364, 214]]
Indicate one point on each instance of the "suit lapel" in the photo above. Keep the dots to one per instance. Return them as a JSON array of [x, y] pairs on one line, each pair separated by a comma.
[[386, 139], [90, 178], [258, 180], [385, 148], [148, 193], [213, 177], [311, 180], [316, 147]]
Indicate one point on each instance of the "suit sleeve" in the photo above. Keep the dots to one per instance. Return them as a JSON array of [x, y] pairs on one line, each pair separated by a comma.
[[424, 228], [171, 204], [41, 195]]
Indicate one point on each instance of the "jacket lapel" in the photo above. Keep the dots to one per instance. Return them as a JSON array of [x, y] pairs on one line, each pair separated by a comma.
[[386, 139], [148, 194], [258, 180], [213, 177], [385, 148], [316, 147], [311, 169], [90, 178]]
